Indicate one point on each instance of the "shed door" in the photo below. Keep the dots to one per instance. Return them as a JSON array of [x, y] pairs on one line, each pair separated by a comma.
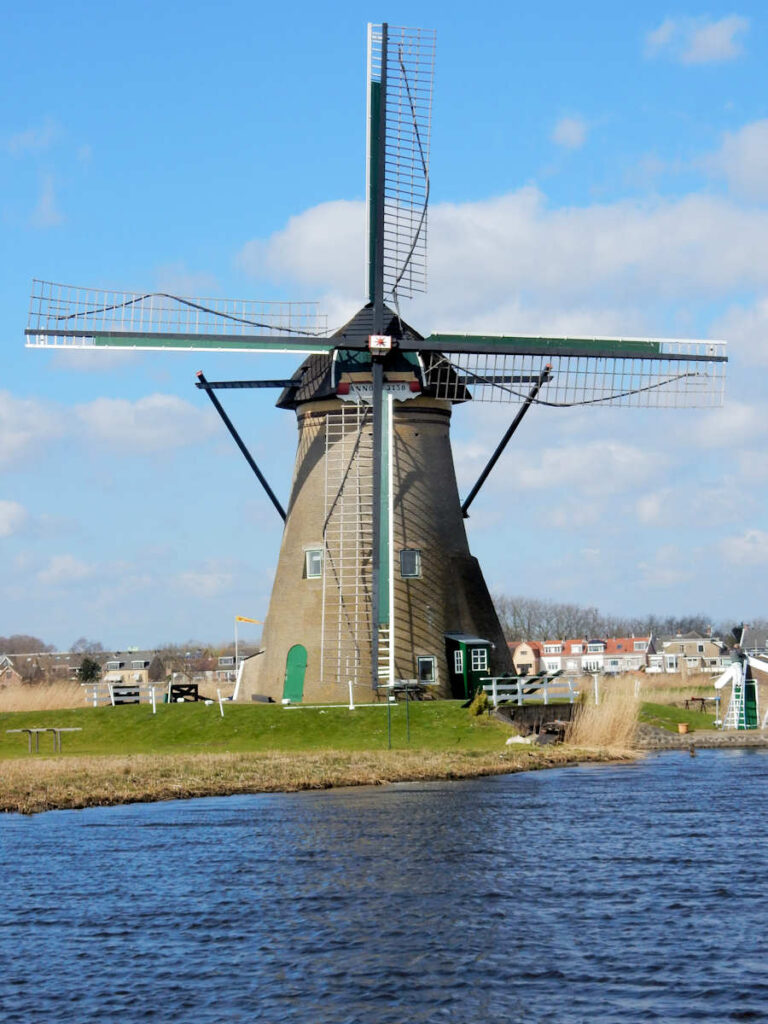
[[295, 667]]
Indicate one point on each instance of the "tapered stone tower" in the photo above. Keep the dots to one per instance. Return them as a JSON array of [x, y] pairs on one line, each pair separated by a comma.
[[317, 635]]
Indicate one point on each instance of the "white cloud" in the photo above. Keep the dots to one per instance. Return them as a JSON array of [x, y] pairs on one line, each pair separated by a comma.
[[668, 567], [46, 213], [26, 424], [746, 329], [698, 40], [34, 140], [749, 548], [513, 262], [65, 569], [743, 160], [570, 132], [12, 517], [733, 424], [595, 466], [322, 245], [151, 424], [205, 583]]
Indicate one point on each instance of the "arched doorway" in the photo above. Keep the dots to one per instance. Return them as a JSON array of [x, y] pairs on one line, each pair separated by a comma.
[[295, 667]]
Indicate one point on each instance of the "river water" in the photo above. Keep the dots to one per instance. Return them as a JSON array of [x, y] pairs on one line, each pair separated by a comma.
[[591, 894]]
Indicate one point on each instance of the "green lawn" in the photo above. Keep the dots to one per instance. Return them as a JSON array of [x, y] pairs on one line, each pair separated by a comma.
[[192, 728], [667, 717]]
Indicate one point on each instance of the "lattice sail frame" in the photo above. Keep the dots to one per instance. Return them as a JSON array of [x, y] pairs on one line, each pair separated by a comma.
[[679, 374], [406, 80], [68, 316]]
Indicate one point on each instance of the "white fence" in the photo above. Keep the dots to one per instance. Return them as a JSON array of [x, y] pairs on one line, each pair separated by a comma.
[[528, 689]]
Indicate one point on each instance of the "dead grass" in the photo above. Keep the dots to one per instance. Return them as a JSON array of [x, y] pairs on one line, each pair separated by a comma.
[[42, 696], [41, 784], [610, 725]]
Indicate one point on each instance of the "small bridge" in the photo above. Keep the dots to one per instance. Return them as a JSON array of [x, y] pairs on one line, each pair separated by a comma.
[[542, 688]]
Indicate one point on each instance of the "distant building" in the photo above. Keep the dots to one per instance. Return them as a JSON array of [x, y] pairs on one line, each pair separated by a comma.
[[526, 657], [687, 653]]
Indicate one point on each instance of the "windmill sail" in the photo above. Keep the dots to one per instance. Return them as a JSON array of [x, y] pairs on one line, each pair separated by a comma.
[[400, 76], [72, 317], [635, 372]]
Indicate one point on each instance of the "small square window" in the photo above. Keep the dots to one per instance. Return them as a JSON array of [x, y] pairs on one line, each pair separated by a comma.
[[426, 670], [313, 563], [458, 662], [479, 659], [410, 563]]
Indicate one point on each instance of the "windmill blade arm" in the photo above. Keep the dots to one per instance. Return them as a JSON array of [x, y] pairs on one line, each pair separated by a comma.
[[151, 341], [674, 350]]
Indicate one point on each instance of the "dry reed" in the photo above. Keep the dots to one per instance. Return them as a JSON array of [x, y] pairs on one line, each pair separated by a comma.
[[42, 696], [610, 725], [31, 785]]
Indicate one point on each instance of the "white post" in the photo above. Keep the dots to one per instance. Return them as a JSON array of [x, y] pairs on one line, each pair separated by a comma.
[[238, 680], [597, 689], [519, 693], [351, 697], [111, 694], [221, 703], [154, 705], [235, 647], [545, 688], [391, 533], [495, 687]]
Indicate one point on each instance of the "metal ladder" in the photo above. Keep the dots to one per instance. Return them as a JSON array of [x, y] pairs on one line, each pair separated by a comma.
[[735, 716], [347, 545]]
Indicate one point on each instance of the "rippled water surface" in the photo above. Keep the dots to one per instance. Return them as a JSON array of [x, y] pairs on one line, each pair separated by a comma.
[[632, 893]]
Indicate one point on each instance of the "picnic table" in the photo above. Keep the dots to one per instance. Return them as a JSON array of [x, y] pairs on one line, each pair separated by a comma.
[[700, 701], [57, 730]]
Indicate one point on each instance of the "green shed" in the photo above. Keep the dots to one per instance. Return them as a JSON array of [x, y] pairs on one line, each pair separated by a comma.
[[468, 662]]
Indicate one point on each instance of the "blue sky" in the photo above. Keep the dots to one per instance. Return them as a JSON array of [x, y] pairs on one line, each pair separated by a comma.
[[594, 170]]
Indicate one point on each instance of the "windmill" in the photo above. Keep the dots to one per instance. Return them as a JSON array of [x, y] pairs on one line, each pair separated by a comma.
[[375, 581]]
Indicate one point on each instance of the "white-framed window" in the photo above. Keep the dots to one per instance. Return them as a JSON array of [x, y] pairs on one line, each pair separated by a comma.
[[595, 648], [227, 660], [553, 648], [641, 645], [458, 661], [115, 666], [139, 664], [700, 648], [479, 659], [313, 563], [577, 648], [410, 563], [426, 669]]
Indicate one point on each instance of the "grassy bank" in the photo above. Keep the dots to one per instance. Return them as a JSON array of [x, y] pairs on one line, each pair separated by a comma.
[[40, 784], [197, 728]]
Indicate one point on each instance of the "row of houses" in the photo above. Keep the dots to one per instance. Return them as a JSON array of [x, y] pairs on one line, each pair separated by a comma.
[[121, 668], [688, 653]]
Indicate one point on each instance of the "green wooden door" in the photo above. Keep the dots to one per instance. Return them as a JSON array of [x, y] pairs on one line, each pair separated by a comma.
[[295, 667]]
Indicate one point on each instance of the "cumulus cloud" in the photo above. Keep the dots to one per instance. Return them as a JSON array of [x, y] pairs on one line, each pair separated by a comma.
[[746, 328], [515, 260], [26, 424], [742, 160], [597, 466], [747, 548], [735, 423], [12, 517], [698, 40], [570, 132], [151, 424], [65, 569]]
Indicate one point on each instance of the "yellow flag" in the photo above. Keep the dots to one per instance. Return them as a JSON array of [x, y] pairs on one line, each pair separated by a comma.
[[242, 618]]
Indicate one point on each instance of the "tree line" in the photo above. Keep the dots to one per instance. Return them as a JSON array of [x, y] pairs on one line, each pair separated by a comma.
[[530, 618]]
